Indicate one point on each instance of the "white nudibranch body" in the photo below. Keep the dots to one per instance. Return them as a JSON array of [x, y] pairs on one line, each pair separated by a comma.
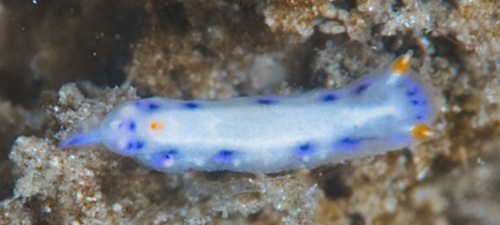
[[386, 110]]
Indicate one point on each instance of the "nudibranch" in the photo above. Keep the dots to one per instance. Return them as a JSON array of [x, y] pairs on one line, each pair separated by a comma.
[[385, 110]]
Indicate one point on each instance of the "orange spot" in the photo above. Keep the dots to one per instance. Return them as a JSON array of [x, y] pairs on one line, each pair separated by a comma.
[[401, 65], [422, 132], [157, 126]]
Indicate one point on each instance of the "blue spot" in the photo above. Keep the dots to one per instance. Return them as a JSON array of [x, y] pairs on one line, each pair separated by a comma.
[[131, 125], [147, 104], [191, 105], [305, 147], [419, 117], [361, 88], [133, 146], [350, 141], [414, 102], [330, 97], [224, 156], [266, 101], [305, 150], [411, 93], [348, 144], [153, 106], [163, 159]]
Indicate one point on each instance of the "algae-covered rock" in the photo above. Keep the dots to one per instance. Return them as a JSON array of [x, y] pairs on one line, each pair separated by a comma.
[[65, 64]]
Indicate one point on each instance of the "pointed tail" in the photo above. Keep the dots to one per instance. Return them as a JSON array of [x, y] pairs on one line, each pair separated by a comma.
[[91, 137]]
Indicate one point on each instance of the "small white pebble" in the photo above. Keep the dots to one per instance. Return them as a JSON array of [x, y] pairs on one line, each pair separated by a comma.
[[79, 196], [480, 161], [422, 174], [54, 162], [332, 27], [391, 204], [117, 207]]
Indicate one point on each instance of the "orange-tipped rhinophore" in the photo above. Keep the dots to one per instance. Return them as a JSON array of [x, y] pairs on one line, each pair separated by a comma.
[[401, 65], [422, 132]]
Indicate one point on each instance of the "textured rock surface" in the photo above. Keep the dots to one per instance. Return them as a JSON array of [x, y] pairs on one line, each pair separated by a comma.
[[216, 49]]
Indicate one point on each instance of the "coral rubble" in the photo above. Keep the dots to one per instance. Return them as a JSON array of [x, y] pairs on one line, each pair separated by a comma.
[[215, 49]]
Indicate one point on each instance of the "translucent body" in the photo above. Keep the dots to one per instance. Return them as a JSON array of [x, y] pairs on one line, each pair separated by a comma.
[[265, 134]]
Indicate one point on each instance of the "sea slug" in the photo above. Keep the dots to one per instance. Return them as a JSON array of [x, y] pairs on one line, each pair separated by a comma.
[[385, 110]]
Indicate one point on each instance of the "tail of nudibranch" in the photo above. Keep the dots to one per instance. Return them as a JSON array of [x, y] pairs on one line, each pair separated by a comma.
[[92, 137]]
